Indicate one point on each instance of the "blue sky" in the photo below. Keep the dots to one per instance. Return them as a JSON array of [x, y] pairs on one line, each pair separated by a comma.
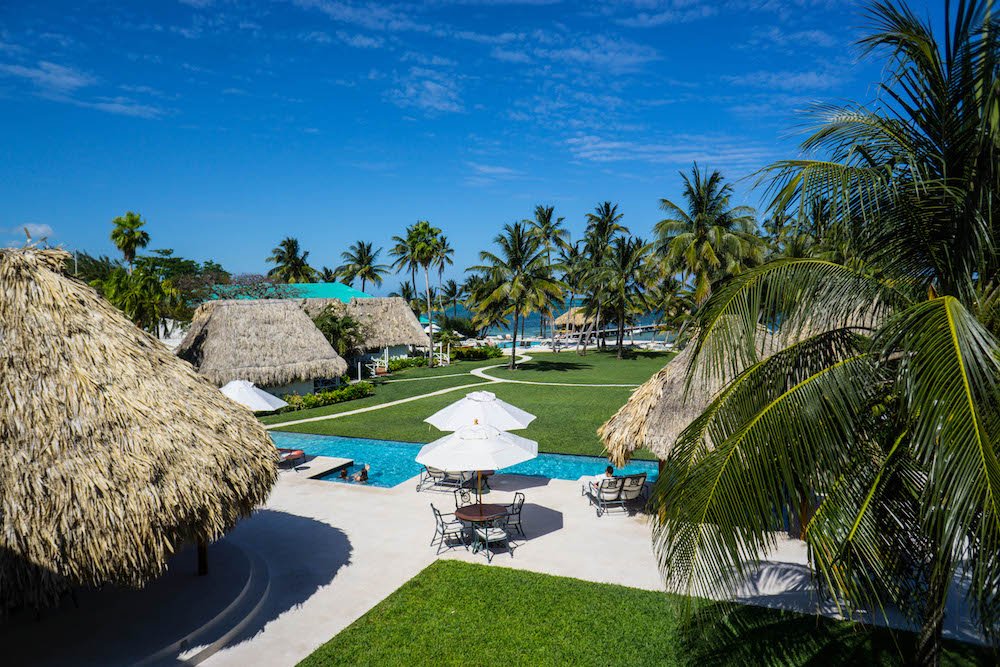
[[232, 124]]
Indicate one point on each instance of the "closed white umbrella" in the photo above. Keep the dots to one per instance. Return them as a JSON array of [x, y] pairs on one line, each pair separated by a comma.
[[258, 400], [480, 407], [477, 447]]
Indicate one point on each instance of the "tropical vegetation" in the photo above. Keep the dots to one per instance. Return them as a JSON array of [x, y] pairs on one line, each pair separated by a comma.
[[876, 422]]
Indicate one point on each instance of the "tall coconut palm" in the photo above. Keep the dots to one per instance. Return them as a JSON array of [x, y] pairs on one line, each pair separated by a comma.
[[626, 262], [361, 261], [421, 248], [129, 236], [451, 295], [291, 265], [707, 239], [572, 264], [603, 225], [519, 275], [553, 237], [444, 256], [884, 404]]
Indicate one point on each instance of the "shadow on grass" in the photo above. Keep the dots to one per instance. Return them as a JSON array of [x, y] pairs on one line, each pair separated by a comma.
[[736, 635], [545, 366]]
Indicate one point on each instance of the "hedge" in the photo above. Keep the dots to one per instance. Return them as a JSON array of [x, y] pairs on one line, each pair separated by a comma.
[[319, 399]]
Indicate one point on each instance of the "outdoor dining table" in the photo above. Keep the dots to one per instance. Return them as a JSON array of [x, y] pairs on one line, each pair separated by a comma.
[[480, 512]]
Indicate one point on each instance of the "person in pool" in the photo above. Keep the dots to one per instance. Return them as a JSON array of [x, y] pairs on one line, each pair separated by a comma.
[[343, 474], [362, 475]]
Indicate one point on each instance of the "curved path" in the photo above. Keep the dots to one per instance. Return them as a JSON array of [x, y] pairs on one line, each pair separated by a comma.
[[476, 372]]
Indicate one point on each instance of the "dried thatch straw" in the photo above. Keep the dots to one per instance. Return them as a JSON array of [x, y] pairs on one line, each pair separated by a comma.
[[114, 451], [269, 342], [574, 318], [664, 405], [385, 321]]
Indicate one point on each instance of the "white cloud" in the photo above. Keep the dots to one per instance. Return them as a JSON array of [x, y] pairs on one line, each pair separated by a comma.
[[36, 230], [426, 89], [50, 76], [510, 56], [788, 41], [714, 151], [360, 41], [787, 80], [427, 60]]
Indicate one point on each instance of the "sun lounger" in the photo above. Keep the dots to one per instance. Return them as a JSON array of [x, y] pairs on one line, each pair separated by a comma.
[[290, 456], [624, 492], [432, 477]]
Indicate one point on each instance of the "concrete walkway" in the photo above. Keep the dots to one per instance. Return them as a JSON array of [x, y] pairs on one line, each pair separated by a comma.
[[321, 554]]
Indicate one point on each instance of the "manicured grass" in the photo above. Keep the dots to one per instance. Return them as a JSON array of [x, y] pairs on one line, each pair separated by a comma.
[[594, 367], [456, 613], [567, 418], [386, 392]]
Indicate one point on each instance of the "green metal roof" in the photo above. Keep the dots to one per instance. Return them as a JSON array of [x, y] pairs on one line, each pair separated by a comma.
[[308, 291], [327, 291]]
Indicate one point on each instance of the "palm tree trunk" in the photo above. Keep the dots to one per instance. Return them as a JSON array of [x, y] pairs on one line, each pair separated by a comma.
[[362, 284], [513, 345], [430, 317], [621, 335], [929, 644]]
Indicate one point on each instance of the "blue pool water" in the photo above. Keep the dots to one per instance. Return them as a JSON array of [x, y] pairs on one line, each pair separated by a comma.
[[392, 462], [506, 344]]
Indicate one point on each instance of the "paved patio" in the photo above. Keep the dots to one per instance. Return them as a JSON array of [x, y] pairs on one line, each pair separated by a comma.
[[321, 554]]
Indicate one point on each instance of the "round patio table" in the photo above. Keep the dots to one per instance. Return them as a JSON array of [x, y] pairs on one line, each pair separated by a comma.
[[480, 512]]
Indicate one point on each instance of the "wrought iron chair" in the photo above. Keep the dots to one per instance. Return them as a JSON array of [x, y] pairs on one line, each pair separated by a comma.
[[463, 497], [445, 529], [514, 514], [491, 532]]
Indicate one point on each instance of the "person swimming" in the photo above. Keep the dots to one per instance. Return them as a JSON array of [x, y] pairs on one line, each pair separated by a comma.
[[362, 475]]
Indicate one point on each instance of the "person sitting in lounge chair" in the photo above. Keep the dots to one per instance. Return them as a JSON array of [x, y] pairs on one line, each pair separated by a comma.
[[591, 483], [362, 475]]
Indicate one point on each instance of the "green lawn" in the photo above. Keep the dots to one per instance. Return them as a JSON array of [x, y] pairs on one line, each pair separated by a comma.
[[386, 392], [593, 368], [456, 613], [567, 417]]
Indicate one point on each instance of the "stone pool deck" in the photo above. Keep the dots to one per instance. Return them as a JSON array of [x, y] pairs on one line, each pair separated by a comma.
[[321, 554]]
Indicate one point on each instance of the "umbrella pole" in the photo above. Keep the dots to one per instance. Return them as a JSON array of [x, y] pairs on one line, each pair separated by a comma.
[[479, 485]]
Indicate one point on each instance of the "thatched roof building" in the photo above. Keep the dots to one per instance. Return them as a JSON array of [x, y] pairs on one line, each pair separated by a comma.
[[385, 321], [270, 342], [573, 319], [113, 452], [664, 405]]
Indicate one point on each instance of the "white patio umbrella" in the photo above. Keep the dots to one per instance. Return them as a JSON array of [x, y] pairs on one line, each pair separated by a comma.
[[258, 400], [480, 407], [477, 447]]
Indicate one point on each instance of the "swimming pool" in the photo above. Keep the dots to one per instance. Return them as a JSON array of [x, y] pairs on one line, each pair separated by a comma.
[[392, 462], [520, 344]]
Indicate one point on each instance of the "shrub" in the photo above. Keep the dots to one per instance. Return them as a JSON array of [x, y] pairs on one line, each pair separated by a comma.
[[476, 353], [406, 362], [319, 399]]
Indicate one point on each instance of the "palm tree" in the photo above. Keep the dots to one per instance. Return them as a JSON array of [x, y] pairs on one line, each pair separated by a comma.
[[290, 263], [710, 240], [572, 263], [626, 263], [128, 236], [519, 276], [444, 256], [361, 261], [140, 295], [451, 295], [420, 248], [884, 404], [553, 236], [603, 225]]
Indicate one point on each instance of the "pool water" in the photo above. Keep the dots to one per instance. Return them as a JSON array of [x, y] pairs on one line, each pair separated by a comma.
[[392, 462], [520, 344]]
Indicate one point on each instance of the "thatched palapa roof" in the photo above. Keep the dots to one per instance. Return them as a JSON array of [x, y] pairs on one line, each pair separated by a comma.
[[113, 452], [574, 317], [385, 321], [660, 408], [269, 342]]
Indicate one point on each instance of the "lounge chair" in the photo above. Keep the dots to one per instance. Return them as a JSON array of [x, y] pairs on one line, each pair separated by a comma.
[[606, 494], [290, 456], [432, 477], [633, 491], [491, 532], [447, 528], [514, 514]]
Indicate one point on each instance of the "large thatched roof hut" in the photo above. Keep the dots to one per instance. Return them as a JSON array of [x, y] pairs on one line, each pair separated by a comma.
[[574, 318], [386, 322], [664, 405], [270, 342], [114, 451]]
